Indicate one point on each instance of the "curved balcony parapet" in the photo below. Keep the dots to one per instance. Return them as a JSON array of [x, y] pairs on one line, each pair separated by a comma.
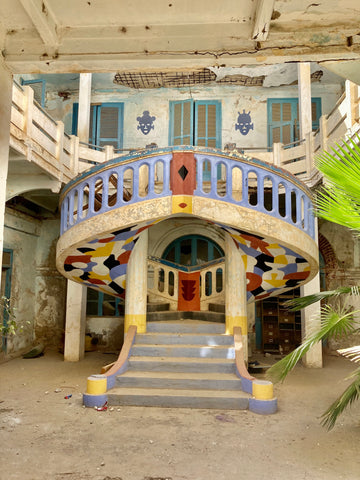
[[235, 179]]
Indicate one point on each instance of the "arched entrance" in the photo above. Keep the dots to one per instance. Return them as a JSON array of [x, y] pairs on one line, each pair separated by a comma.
[[192, 255]]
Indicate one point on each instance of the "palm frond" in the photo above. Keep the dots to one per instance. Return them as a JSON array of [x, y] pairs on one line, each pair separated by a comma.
[[341, 167], [349, 396], [336, 206], [333, 323], [352, 353], [296, 304]]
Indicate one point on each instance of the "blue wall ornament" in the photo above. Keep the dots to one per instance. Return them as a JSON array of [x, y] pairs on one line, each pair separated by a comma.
[[146, 122], [244, 124]]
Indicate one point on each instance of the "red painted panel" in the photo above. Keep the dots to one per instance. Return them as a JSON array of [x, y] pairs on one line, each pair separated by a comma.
[[183, 173], [189, 291]]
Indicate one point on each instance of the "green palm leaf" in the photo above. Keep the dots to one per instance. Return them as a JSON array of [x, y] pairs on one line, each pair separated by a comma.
[[296, 304], [349, 396], [333, 324]]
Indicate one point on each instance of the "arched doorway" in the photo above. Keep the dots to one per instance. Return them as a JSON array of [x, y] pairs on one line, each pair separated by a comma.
[[195, 259]]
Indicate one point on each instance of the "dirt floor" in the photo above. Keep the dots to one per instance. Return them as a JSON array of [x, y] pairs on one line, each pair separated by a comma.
[[46, 436]]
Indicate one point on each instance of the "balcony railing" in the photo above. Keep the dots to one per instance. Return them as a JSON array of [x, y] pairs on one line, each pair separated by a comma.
[[244, 182], [43, 141]]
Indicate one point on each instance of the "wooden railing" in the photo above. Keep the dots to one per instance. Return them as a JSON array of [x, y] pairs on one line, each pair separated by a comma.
[[43, 141]]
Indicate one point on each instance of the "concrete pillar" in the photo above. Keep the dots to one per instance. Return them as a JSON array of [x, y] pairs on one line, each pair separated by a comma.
[[310, 319], [304, 82], [75, 322], [5, 116], [84, 107], [235, 292], [76, 293], [136, 285]]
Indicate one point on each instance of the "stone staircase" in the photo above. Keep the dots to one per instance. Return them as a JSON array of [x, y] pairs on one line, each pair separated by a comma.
[[186, 363]]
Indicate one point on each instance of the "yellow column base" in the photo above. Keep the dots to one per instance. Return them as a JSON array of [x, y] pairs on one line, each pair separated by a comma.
[[237, 321], [263, 390], [139, 320], [96, 385]]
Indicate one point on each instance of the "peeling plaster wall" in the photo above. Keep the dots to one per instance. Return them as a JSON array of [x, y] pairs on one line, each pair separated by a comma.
[[50, 288], [345, 273], [37, 289], [62, 92], [21, 235]]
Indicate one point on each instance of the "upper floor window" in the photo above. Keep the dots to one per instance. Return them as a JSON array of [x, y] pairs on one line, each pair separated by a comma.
[[192, 250], [283, 119], [195, 122], [106, 124]]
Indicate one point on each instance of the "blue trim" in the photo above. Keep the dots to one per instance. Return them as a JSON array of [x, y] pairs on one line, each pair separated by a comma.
[[31, 82], [294, 133], [194, 238], [95, 113], [75, 115]]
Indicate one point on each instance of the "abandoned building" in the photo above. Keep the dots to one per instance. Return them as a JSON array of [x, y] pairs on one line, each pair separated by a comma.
[[158, 163]]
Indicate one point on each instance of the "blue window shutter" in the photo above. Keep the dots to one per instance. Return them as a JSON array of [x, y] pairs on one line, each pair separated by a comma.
[[75, 114], [109, 124], [181, 123], [283, 119], [208, 123]]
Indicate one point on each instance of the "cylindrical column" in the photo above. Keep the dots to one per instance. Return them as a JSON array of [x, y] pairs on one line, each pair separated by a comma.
[[136, 285], [235, 291]]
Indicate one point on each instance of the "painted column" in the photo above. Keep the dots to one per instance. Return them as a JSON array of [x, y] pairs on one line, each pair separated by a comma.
[[136, 285], [304, 82], [75, 322], [235, 292], [5, 116], [310, 319], [76, 294], [84, 107]]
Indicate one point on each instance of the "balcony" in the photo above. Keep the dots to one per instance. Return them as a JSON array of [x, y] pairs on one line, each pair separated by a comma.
[[266, 210]]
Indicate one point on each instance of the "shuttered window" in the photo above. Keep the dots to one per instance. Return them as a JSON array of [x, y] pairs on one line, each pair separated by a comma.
[[106, 124], [283, 119], [196, 123]]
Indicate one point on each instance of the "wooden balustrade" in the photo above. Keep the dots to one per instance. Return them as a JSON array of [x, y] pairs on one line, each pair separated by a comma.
[[43, 141]]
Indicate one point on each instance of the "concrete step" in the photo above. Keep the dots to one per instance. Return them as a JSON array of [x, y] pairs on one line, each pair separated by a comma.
[[224, 399], [179, 380], [157, 307], [181, 364], [185, 326], [183, 338], [206, 316], [181, 350]]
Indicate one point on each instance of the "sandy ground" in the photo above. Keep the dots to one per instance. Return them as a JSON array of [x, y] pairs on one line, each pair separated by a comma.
[[45, 436]]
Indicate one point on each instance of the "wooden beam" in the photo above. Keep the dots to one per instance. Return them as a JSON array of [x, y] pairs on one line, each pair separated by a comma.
[[263, 15], [43, 20]]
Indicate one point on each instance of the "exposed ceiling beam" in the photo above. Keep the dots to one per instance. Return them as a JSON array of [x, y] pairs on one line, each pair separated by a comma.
[[263, 15], [43, 20]]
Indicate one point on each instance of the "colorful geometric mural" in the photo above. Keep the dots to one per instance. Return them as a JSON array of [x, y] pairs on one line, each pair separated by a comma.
[[101, 263], [270, 267]]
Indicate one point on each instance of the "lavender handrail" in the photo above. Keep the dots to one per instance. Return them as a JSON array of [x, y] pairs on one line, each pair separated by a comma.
[[80, 200]]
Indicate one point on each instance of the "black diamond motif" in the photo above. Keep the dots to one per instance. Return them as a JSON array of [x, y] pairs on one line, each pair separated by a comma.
[[183, 172]]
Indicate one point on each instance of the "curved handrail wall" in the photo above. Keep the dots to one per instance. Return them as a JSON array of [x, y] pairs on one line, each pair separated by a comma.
[[78, 199]]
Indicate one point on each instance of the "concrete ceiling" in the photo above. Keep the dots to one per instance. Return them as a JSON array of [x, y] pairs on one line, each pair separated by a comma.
[[55, 36]]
